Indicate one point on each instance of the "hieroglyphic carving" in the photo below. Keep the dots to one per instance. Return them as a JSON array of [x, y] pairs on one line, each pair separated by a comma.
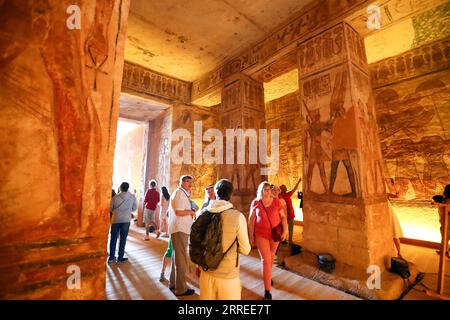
[[322, 51], [242, 108], [277, 68], [372, 169], [426, 59], [142, 80], [310, 19], [356, 48], [232, 97]]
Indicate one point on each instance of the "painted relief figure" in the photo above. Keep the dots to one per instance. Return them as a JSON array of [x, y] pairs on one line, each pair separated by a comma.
[[343, 141], [317, 154]]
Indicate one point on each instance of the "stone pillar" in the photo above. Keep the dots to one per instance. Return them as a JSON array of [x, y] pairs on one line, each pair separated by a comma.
[[345, 209], [242, 108], [61, 76]]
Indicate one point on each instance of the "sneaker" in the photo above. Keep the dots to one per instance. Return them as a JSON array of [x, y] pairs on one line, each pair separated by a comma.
[[189, 292], [120, 260], [146, 238], [111, 260], [162, 278], [267, 296]]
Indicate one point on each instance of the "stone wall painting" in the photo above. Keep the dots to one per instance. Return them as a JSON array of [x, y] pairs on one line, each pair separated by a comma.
[[204, 174], [283, 114], [331, 137], [59, 109], [371, 157], [242, 108], [412, 117]]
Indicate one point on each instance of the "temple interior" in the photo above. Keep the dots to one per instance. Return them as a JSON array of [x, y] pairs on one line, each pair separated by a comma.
[[350, 96]]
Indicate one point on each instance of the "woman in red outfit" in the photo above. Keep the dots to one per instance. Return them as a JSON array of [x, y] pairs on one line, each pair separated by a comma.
[[263, 208]]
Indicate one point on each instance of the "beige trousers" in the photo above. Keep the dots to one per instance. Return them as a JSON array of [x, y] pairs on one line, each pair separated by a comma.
[[213, 288]]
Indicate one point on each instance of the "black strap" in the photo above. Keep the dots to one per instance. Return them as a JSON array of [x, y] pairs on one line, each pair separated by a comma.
[[185, 193], [237, 246], [237, 251]]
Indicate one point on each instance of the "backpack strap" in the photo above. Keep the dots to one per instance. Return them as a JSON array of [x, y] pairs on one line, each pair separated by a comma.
[[237, 251]]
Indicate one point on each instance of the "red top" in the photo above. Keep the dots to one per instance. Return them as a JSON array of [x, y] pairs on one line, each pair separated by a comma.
[[289, 207], [151, 199], [262, 225]]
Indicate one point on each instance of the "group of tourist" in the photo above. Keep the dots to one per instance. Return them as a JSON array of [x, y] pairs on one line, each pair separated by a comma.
[[271, 208]]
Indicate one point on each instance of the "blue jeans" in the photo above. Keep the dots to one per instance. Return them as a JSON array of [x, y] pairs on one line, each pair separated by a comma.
[[117, 228]]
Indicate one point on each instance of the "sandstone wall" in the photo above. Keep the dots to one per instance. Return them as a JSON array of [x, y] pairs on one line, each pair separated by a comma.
[[58, 114]]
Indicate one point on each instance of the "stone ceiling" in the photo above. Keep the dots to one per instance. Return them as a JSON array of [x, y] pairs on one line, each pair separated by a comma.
[[186, 39]]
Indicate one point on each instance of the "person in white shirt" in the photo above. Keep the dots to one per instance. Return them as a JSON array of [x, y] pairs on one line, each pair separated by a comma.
[[181, 214]]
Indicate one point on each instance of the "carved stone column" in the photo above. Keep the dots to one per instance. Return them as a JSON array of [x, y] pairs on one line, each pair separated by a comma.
[[60, 84], [345, 209], [242, 108]]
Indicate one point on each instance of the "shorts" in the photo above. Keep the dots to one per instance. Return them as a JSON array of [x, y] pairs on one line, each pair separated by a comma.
[[168, 253], [149, 216]]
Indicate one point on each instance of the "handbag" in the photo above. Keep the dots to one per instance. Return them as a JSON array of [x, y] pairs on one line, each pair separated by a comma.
[[276, 231], [400, 266]]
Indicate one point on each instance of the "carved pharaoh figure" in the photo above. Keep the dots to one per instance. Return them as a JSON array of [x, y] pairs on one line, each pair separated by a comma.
[[343, 141], [317, 154]]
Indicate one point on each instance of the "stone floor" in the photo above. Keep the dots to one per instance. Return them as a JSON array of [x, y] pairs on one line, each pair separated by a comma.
[[139, 278]]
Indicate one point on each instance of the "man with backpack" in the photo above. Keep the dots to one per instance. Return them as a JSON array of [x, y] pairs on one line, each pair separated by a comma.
[[224, 231]]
